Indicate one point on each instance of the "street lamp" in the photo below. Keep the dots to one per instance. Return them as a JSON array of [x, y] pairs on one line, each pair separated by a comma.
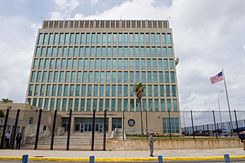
[[219, 107]]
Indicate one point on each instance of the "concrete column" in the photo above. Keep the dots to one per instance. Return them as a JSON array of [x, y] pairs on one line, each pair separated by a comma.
[[110, 124], [72, 125]]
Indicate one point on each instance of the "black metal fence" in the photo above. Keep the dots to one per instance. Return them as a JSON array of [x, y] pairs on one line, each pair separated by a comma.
[[42, 129]]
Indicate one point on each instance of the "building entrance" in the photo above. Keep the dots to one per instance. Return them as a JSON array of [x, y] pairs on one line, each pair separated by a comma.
[[86, 124]]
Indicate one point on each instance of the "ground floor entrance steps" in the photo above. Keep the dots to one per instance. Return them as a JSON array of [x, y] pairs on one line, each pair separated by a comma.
[[79, 141]]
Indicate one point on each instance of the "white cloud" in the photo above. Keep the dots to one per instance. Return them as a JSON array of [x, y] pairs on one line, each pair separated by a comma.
[[67, 5]]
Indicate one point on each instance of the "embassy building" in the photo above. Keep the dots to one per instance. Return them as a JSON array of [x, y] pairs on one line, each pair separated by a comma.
[[86, 65]]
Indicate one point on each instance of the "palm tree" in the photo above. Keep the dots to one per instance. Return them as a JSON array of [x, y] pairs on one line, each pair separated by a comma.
[[6, 100], [138, 91]]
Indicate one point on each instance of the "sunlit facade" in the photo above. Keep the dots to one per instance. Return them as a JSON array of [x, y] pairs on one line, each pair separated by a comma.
[[87, 65]]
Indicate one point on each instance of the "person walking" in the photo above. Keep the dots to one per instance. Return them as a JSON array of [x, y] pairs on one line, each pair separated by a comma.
[[18, 140], [151, 144], [7, 139]]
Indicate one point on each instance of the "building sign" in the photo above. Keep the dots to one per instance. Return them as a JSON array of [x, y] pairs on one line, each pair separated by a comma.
[[131, 122], [89, 114]]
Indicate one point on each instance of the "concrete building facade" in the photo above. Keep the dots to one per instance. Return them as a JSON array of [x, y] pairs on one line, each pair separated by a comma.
[[87, 65]]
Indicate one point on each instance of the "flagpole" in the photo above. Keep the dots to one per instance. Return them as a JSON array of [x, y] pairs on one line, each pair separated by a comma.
[[227, 99]]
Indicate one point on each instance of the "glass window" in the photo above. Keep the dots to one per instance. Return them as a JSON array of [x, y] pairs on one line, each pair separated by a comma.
[[171, 64], [39, 76], [164, 52], [107, 91], [80, 65], [119, 77], [113, 90], [147, 38], [64, 104], [102, 77], [125, 104], [158, 40], [108, 77], [42, 90], [71, 90], [65, 93], [170, 53], [87, 38], [173, 91], [56, 36], [46, 64], [67, 77], [45, 39], [120, 38], [48, 90], [167, 90], [30, 90], [109, 38], [107, 104], [125, 90], [83, 90], [163, 39], [72, 38], [61, 76], [94, 104], [155, 90], [59, 90], [33, 76], [91, 64], [149, 76], [84, 76], [125, 38], [66, 38], [77, 91], [38, 51], [61, 38], [125, 52], [150, 107], [131, 104], [88, 104], [58, 104], [98, 38], [89, 91], [81, 51], [162, 91], [149, 91], [143, 76], [162, 105], [90, 77], [169, 39], [172, 77], [82, 38], [159, 65], [95, 91], [155, 77], [132, 79], [131, 38], [104, 38], [76, 104], [50, 76], [142, 38], [166, 76], [125, 64], [98, 53], [96, 77], [77, 38], [114, 77], [156, 105], [125, 77], [93, 38], [101, 104], [54, 90], [175, 104], [46, 102], [152, 38], [103, 53], [114, 38], [40, 39], [166, 64], [113, 105], [169, 104], [36, 90], [44, 76], [82, 105], [101, 90]]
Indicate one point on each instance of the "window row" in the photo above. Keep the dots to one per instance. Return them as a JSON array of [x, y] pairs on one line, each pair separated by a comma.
[[64, 104], [103, 64], [171, 125], [99, 90], [97, 51], [103, 38], [102, 77]]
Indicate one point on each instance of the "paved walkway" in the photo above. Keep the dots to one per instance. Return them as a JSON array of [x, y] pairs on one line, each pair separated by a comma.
[[124, 154]]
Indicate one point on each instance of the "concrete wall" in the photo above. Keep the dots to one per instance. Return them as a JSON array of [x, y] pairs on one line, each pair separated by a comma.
[[173, 144]]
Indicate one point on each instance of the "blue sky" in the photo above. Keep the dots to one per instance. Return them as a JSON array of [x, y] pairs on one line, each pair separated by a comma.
[[208, 36]]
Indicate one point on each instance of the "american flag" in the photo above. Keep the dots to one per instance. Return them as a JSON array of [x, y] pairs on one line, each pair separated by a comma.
[[217, 78]]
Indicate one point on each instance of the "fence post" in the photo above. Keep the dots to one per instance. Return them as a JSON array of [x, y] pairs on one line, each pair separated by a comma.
[[4, 127], [192, 125], [236, 120], [69, 131], [123, 124], [38, 128], [24, 158], [15, 127], [169, 121], [93, 126], [215, 125], [160, 160], [91, 159], [53, 129], [104, 138], [227, 158]]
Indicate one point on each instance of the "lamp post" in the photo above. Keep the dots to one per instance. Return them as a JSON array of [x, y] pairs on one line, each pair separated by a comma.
[[219, 107]]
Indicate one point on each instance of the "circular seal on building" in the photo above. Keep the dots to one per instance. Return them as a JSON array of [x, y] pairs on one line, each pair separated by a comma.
[[131, 122]]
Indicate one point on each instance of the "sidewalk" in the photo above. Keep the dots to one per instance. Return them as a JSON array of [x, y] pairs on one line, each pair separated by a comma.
[[186, 153], [124, 154]]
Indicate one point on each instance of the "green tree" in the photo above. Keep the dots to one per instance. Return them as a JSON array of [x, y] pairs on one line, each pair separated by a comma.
[[138, 91], [6, 100]]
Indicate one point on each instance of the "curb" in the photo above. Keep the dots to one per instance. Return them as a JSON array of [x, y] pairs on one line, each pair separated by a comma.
[[57, 159]]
